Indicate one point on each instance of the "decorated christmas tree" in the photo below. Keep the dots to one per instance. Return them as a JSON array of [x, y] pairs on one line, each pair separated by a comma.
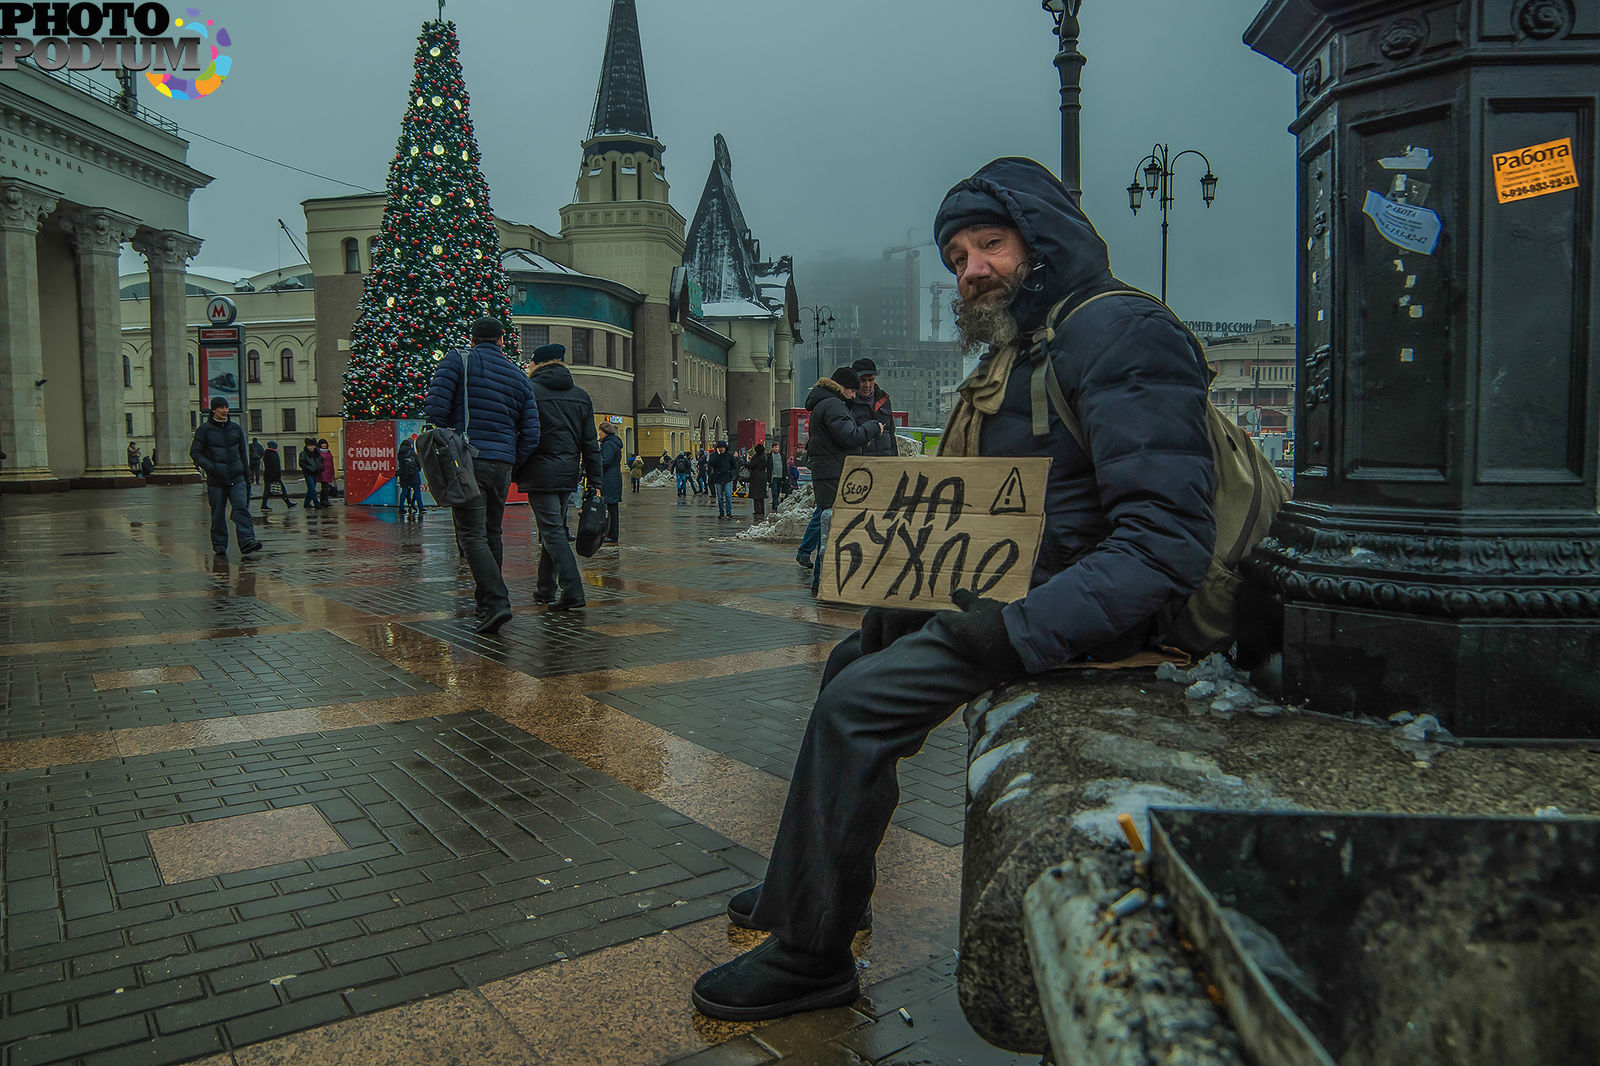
[[436, 267]]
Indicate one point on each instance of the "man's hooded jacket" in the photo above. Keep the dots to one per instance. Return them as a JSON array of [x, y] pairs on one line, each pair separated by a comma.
[[1128, 526], [878, 409], [835, 433], [567, 434]]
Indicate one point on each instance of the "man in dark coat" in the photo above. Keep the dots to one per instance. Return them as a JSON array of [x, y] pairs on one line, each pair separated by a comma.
[[872, 405], [1128, 529], [835, 434], [721, 468], [611, 479], [408, 475], [219, 451], [256, 452], [550, 473], [485, 395]]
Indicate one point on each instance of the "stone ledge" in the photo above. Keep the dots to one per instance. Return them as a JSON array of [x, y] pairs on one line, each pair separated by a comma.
[[1053, 760]]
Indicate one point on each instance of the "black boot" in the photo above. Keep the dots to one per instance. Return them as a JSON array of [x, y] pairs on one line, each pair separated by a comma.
[[774, 980]]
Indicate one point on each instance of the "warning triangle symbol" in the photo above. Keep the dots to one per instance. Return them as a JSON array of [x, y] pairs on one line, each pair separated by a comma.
[[1010, 499]]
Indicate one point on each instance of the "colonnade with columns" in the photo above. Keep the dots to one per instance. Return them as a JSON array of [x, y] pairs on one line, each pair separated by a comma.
[[96, 236]]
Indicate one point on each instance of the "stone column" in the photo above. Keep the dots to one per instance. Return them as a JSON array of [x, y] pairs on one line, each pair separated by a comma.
[[22, 434], [97, 238], [166, 254]]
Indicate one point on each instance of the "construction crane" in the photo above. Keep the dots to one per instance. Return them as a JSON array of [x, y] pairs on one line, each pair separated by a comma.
[[909, 250], [935, 290]]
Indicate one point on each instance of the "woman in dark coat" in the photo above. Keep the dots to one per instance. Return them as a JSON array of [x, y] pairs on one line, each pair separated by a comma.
[[760, 472], [611, 478]]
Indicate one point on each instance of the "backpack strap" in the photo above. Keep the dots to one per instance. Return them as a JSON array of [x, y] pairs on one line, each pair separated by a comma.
[[1045, 386]]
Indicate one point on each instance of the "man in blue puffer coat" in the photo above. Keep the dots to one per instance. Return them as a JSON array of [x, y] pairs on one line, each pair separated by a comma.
[[1128, 529], [503, 428]]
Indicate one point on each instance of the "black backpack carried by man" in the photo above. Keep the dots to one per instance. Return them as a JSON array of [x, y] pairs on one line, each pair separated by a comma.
[[446, 456]]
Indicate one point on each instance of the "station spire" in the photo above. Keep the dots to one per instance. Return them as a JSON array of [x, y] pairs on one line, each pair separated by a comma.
[[622, 103]]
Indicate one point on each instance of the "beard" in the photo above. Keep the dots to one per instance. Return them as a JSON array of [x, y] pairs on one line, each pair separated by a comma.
[[986, 321]]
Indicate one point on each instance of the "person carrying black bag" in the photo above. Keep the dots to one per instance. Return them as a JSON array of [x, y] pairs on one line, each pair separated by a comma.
[[484, 396], [549, 474]]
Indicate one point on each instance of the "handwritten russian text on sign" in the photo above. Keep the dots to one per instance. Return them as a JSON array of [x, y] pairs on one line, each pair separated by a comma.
[[1403, 225], [1536, 171], [909, 532]]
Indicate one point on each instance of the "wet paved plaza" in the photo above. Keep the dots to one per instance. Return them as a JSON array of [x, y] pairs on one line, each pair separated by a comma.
[[293, 809]]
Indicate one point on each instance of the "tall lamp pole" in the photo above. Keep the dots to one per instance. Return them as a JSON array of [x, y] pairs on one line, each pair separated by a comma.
[[1157, 171], [1069, 64], [821, 322]]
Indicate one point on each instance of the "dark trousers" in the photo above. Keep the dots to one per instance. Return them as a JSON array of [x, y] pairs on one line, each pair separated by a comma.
[[613, 522], [557, 565], [758, 494], [237, 496], [873, 710], [411, 497], [777, 492], [326, 488], [478, 533]]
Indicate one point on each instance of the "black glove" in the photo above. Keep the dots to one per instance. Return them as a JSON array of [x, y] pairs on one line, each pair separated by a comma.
[[882, 626], [980, 632]]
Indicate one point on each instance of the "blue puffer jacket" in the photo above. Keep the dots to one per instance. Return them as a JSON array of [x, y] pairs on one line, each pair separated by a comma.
[[505, 419], [1129, 529]]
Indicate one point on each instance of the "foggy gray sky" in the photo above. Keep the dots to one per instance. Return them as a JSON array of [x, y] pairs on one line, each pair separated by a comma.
[[846, 119]]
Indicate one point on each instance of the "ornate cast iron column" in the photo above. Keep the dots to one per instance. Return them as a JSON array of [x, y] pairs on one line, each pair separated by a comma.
[[1443, 550]]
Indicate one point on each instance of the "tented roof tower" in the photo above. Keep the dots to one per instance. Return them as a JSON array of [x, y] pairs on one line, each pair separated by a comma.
[[622, 102]]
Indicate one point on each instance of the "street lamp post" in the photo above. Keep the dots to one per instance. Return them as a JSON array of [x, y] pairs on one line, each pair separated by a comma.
[[1157, 173], [1069, 64], [821, 322]]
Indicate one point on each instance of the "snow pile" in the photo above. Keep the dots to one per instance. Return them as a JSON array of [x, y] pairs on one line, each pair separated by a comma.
[[659, 478], [1214, 686], [788, 522]]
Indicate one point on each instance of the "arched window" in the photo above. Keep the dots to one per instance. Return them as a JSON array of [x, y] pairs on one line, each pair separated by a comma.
[[252, 365], [193, 380], [286, 365], [352, 256], [127, 372], [372, 249]]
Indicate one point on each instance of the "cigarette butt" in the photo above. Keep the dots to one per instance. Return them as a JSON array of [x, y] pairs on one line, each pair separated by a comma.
[[905, 1016], [1130, 831], [1128, 904]]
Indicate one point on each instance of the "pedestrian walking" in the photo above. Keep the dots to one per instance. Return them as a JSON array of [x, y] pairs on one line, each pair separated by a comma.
[[835, 434], [272, 473], [760, 472], [325, 478], [721, 468], [636, 473], [482, 395], [683, 470], [550, 473], [256, 453], [408, 474], [1128, 529], [871, 404], [611, 480], [311, 470], [219, 451], [775, 476], [702, 464]]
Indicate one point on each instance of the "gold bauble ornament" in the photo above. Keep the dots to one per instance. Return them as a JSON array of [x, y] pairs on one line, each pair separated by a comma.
[[438, 149], [437, 101], [434, 51], [390, 301], [457, 103], [415, 149], [439, 300], [465, 158], [471, 202], [436, 200], [438, 249], [477, 253], [438, 356]]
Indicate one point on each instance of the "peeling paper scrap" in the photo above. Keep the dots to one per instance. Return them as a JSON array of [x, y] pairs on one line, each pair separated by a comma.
[[1415, 159], [1403, 225]]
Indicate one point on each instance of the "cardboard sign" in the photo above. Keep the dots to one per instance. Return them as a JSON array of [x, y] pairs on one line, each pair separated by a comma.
[[908, 532], [1535, 171]]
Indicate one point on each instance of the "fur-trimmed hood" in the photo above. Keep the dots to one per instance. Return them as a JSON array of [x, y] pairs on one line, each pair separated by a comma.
[[823, 387]]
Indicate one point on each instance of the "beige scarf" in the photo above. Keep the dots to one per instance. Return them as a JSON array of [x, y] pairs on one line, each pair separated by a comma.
[[981, 395]]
